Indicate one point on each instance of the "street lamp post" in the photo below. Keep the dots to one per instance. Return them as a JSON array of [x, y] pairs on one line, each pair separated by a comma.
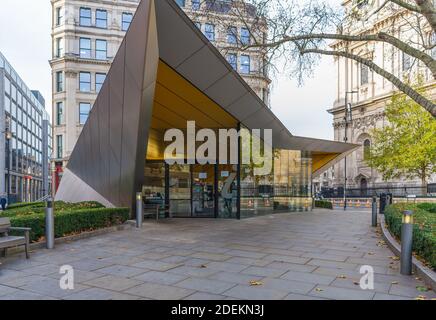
[[348, 118]]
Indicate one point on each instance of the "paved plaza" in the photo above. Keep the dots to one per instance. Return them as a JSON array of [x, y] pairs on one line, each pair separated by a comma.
[[312, 255]]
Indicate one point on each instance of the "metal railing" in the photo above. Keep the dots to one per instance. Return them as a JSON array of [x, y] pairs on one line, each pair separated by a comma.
[[405, 191]]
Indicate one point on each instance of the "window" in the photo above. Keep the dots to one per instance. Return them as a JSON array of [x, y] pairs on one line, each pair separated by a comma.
[[84, 109], [245, 36], [59, 16], [232, 59], [407, 62], [85, 17], [364, 74], [7, 86], [85, 81], [59, 143], [85, 48], [195, 4], [100, 49], [59, 113], [366, 149], [209, 31], [59, 81], [245, 64], [126, 20], [101, 19], [59, 47], [99, 80], [181, 3], [231, 35]]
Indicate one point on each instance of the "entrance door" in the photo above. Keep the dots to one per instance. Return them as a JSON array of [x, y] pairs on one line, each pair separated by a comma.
[[227, 190], [203, 191]]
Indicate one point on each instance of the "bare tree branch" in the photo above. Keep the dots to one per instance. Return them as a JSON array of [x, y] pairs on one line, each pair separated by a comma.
[[408, 90], [381, 36]]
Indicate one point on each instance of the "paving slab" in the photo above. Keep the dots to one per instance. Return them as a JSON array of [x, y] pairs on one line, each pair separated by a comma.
[[310, 255]]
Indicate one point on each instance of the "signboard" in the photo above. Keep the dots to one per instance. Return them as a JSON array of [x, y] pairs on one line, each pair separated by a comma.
[[225, 174], [202, 175]]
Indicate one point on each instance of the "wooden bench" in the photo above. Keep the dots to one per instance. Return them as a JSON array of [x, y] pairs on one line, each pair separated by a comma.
[[7, 241], [153, 209]]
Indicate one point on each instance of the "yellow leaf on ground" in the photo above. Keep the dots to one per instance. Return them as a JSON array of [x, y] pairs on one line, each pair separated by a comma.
[[255, 283], [319, 290]]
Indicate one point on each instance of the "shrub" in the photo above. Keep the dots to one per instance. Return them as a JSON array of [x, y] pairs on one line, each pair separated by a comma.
[[25, 204], [323, 204], [69, 221], [424, 229], [430, 207]]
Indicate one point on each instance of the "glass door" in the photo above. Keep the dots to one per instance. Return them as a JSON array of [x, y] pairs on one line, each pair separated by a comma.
[[228, 192], [203, 191]]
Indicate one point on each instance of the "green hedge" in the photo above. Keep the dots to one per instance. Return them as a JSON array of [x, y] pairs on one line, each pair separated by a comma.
[[430, 207], [72, 222], [323, 204], [424, 231], [25, 204], [70, 218]]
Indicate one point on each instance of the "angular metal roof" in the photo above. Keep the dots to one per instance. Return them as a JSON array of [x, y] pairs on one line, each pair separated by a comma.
[[107, 164]]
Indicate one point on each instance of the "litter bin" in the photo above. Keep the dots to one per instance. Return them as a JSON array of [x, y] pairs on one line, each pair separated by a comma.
[[383, 199]]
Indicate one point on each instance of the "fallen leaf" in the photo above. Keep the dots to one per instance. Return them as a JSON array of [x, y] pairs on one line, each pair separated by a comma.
[[418, 278], [421, 297], [395, 258], [371, 253], [319, 290], [394, 282], [203, 266], [255, 283], [422, 289], [342, 276]]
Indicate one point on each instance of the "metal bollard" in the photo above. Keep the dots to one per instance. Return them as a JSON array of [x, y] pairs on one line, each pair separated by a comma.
[[406, 243], [374, 211], [139, 210], [49, 224]]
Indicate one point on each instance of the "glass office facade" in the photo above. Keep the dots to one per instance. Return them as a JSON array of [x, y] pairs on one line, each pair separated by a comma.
[[22, 117]]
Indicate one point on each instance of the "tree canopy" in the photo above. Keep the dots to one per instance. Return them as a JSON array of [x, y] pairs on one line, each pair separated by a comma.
[[406, 146]]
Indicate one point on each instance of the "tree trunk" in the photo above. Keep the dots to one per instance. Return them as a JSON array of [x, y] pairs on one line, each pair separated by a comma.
[[424, 183]]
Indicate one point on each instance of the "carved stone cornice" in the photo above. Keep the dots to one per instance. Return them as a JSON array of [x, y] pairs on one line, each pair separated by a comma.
[[366, 121]]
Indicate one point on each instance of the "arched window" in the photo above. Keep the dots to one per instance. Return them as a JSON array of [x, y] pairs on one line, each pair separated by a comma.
[[366, 149]]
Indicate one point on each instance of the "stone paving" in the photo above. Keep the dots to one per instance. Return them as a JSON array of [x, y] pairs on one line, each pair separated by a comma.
[[296, 256]]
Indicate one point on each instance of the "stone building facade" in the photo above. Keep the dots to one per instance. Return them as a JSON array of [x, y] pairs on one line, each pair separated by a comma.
[[372, 92], [85, 38]]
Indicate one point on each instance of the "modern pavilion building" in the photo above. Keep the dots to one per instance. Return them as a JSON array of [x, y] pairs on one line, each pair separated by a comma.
[[165, 74]]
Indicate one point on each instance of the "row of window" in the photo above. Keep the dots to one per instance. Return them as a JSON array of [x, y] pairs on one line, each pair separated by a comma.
[[15, 97], [23, 156], [85, 49], [84, 81], [100, 18], [244, 63], [406, 65], [233, 34], [84, 110]]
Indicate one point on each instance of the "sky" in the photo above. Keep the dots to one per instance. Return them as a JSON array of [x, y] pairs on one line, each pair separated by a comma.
[[25, 41]]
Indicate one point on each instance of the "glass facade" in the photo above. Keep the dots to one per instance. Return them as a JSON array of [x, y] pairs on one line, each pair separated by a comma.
[[24, 117], [232, 191]]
